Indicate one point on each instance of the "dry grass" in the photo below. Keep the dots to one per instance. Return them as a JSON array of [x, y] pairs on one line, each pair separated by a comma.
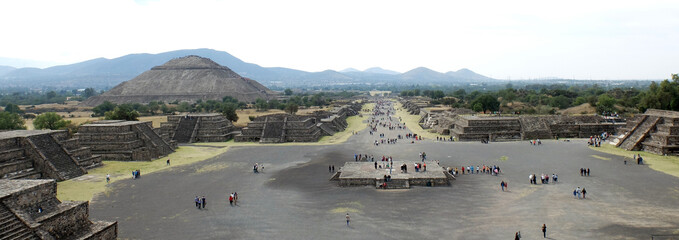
[[666, 164], [580, 109], [85, 187]]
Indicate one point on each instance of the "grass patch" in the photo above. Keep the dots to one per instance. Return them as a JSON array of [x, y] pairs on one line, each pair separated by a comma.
[[666, 164], [85, 187], [412, 122], [503, 158], [600, 157]]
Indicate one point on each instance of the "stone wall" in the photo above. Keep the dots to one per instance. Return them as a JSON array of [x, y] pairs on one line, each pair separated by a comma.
[[279, 128], [20, 199], [124, 140], [50, 154], [655, 131], [211, 127]]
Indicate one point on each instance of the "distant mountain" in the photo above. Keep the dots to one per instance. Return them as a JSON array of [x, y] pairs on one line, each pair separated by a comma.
[[22, 63], [6, 69], [102, 73], [468, 74], [381, 71], [350, 70]]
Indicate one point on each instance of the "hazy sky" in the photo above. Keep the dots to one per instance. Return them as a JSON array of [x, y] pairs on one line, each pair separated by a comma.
[[502, 39]]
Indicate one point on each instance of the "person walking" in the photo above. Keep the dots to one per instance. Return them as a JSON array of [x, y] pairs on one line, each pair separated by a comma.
[[231, 199], [502, 185], [202, 201], [235, 198], [168, 162], [108, 178], [544, 230], [348, 219]]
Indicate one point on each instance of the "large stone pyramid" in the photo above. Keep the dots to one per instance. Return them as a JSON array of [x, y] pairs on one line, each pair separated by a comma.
[[184, 79]]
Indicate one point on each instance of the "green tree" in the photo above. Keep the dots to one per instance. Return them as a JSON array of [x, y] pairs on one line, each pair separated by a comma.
[[101, 109], [261, 104], [488, 102], [288, 92], [291, 108], [51, 95], [11, 121], [605, 104], [13, 108], [273, 104], [50, 120], [123, 112], [229, 111], [478, 107], [89, 92]]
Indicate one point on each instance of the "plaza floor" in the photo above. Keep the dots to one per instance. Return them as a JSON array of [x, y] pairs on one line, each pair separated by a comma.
[[293, 198]]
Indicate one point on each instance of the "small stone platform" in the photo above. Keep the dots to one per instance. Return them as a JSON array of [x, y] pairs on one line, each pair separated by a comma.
[[364, 173]]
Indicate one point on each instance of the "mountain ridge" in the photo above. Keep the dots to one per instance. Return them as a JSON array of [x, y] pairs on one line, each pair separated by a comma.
[[105, 73]]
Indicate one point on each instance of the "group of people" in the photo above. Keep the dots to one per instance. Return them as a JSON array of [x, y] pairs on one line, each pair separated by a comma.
[[584, 171], [639, 159], [200, 202], [544, 178], [233, 199], [443, 139], [580, 192], [256, 168], [331, 168], [536, 142], [595, 141], [136, 174]]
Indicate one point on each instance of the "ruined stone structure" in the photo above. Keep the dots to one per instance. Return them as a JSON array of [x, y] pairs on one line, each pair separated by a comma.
[[43, 154], [441, 121], [655, 131], [365, 174], [474, 128], [210, 127], [124, 140], [29, 209], [279, 128], [414, 105], [188, 79]]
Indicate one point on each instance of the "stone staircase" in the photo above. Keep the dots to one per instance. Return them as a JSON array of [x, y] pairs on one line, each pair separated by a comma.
[[164, 147], [13, 228], [185, 130], [638, 133], [534, 128], [327, 130], [272, 132], [66, 166]]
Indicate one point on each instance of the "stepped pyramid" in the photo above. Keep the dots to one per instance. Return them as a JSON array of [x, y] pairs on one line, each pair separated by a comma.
[[189, 79]]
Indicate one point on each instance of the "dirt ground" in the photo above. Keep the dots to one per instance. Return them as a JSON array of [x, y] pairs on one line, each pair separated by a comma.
[[293, 199]]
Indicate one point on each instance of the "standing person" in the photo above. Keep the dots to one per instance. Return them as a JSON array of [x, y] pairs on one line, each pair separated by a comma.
[[544, 230], [348, 219], [168, 162], [588, 172], [108, 178], [235, 198], [502, 185], [583, 193], [516, 236], [203, 202], [333, 168], [197, 201], [329, 168], [231, 199]]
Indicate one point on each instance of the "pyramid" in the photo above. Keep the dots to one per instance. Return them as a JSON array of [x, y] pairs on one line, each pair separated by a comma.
[[189, 79]]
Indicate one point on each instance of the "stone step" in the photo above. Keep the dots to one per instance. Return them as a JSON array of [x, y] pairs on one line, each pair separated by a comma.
[[26, 173]]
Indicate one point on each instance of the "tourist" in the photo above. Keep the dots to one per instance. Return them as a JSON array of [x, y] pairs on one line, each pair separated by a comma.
[[517, 235], [544, 231], [235, 198], [348, 219], [583, 193], [578, 191], [329, 168], [108, 178], [197, 201], [588, 172], [231, 199], [168, 162], [575, 193], [502, 185], [375, 165], [477, 169], [202, 201], [333, 168]]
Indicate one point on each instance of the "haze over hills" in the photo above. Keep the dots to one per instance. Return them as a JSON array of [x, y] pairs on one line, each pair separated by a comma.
[[102, 73]]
